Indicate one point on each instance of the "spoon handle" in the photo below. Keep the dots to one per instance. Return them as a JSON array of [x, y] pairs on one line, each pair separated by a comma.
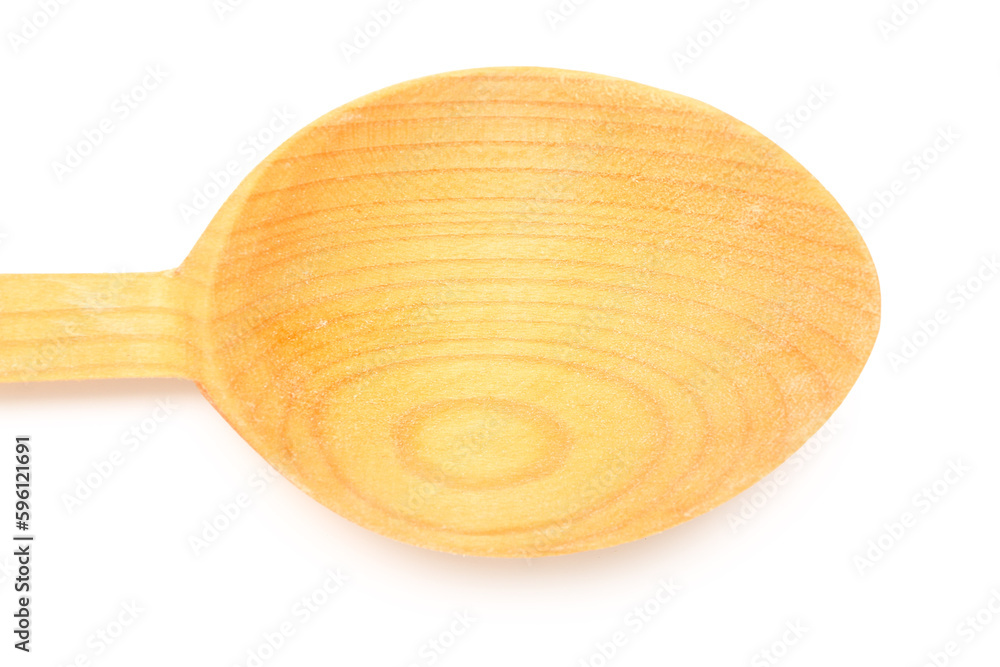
[[93, 325]]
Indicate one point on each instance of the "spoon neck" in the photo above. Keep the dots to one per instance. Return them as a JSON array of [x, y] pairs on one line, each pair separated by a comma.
[[84, 326]]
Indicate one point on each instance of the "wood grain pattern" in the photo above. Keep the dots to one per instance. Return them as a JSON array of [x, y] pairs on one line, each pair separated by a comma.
[[506, 312]]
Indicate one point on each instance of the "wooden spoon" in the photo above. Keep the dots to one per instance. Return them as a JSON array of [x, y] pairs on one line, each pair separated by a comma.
[[504, 312]]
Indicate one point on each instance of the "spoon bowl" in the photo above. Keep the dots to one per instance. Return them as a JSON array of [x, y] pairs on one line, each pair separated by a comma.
[[503, 312]]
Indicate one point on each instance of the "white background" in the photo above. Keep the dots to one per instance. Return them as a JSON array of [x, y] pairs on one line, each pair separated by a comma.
[[794, 560]]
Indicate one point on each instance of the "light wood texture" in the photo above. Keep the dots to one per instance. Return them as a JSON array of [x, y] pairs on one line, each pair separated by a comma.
[[506, 312], [83, 326]]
